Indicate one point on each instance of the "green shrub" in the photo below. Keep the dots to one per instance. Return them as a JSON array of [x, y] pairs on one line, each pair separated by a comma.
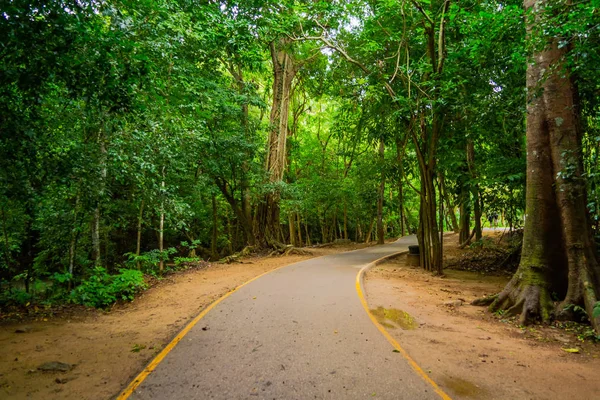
[[14, 296], [102, 289], [149, 260], [127, 283], [183, 262], [146, 261], [61, 278]]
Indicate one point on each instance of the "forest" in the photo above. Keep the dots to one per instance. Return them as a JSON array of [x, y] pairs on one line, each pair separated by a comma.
[[137, 137]]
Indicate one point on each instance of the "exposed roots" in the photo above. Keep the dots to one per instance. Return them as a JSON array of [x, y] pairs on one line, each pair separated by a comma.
[[230, 259], [484, 301], [246, 251], [289, 250], [583, 295], [530, 302], [468, 241]]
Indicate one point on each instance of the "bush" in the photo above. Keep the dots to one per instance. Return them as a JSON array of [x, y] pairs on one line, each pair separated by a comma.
[[149, 260], [14, 296], [184, 262], [102, 289]]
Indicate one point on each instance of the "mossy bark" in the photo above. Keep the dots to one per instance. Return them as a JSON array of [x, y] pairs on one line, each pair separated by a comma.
[[267, 223], [558, 253]]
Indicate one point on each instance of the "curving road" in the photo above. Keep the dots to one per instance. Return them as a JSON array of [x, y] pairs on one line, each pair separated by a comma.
[[299, 332]]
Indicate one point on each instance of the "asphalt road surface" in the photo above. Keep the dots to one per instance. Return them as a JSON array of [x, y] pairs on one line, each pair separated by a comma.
[[299, 332]]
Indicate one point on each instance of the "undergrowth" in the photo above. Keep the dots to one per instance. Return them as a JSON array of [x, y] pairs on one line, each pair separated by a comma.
[[96, 287]]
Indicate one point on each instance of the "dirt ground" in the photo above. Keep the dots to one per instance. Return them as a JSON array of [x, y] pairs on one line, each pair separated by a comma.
[[110, 348], [469, 352]]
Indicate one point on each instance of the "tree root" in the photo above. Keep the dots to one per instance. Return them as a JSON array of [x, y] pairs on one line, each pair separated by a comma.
[[462, 245], [297, 251], [320, 246], [585, 297], [246, 251], [530, 302], [230, 259], [484, 301], [288, 250]]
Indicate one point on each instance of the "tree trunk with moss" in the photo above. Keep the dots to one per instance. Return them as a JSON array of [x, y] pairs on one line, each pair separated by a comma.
[[267, 226], [558, 253]]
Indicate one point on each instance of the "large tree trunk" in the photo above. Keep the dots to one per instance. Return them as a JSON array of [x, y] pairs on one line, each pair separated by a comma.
[[428, 232], [268, 228], [557, 238]]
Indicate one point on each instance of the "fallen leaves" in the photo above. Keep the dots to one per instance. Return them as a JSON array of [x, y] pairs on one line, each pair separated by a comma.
[[572, 350]]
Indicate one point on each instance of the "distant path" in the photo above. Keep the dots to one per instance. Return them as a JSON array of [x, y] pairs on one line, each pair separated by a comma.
[[299, 332]]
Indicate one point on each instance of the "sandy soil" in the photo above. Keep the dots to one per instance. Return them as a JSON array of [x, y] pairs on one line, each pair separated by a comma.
[[470, 353], [109, 349]]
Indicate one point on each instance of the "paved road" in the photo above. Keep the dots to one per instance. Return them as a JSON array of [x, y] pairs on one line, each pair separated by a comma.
[[297, 333]]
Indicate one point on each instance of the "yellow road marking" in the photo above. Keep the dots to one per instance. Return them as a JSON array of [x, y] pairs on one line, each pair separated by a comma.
[[160, 356], [387, 335]]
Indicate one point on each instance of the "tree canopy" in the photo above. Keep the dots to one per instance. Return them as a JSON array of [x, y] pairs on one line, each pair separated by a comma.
[[137, 136]]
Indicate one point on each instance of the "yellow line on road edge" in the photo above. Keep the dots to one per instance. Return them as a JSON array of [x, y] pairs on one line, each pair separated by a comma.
[[413, 364], [154, 363]]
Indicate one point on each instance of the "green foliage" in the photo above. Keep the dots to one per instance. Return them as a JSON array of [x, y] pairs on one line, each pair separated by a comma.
[[191, 246], [117, 115], [583, 331], [136, 348], [184, 261], [102, 289], [148, 261], [579, 311], [14, 296], [62, 278]]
